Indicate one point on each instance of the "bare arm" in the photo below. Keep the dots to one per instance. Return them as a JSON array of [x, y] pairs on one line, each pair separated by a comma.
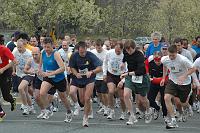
[[27, 68], [60, 64]]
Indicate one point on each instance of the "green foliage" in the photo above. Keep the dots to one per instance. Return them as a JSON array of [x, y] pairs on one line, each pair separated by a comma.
[[114, 18], [27, 15]]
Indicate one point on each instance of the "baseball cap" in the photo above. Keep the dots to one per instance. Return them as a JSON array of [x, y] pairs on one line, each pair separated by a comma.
[[165, 45]]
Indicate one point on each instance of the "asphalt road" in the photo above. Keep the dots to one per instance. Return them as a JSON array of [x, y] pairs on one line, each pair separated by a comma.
[[15, 122]]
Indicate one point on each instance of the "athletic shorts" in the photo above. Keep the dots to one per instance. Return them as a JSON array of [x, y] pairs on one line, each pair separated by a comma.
[[37, 85], [138, 88], [101, 86], [74, 83], [113, 78], [29, 79], [180, 91], [60, 86]]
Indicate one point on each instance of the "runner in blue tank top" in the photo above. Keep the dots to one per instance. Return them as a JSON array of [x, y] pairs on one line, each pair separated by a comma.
[[53, 76]]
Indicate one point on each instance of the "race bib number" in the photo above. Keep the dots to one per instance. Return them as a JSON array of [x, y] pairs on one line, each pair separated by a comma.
[[0, 60], [137, 79], [83, 72], [115, 66], [52, 76], [174, 69]]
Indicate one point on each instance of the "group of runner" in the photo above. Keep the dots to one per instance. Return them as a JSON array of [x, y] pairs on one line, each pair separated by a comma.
[[156, 77]]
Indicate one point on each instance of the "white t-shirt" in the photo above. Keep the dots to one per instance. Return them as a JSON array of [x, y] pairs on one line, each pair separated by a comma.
[[177, 67], [22, 58], [65, 55], [187, 54], [101, 56], [197, 65], [112, 63]]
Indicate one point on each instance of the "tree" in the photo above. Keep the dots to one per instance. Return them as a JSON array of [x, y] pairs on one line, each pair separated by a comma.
[[28, 15]]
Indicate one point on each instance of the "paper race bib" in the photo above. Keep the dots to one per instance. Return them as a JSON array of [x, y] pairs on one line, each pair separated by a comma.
[[53, 76], [174, 69], [0, 60], [83, 72], [137, 79]]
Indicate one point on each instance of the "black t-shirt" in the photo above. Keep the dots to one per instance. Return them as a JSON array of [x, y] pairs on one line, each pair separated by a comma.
[[155, 70], [135, 62]]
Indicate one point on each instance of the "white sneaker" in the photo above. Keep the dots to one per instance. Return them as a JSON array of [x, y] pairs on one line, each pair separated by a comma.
[[194, 106], [95, 100], [180, 118], [101, 110], [41, 115], [155, 114], [82, 109], [111, 115], [137, 111], [132, 119], [171, 124], [100, 105], [45, 116], [190, 111], [85, 122], [106, 111], [166, 119], [26, 110], [50, 112], [76, 110], [198, 107], [22, 107], [91, 116], [68, 117], [148, 115], [55, 109], [123, 115], [32, 110]]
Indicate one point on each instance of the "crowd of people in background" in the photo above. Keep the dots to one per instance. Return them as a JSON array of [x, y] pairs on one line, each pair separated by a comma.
[[145, 81]]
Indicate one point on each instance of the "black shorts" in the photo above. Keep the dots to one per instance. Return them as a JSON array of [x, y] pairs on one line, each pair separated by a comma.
[[29, 79], [101, 86], [180, 91], [113, 78], [37, 85], [60, 86]]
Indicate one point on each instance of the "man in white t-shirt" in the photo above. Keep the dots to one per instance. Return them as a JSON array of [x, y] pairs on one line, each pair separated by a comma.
[[179, 84], [111, 72], [100, 85], [196, 65], [22, 55]]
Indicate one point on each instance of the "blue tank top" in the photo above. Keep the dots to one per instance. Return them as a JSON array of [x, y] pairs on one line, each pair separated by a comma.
[[50, 64]]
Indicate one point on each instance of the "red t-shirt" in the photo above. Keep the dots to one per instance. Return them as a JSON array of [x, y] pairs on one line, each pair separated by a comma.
[[5, 56]]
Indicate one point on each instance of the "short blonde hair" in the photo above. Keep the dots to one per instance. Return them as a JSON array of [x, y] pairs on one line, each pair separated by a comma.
[[157, 35]]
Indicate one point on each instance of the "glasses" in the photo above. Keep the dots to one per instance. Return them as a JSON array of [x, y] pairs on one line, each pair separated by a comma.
[[35, 54], [164, 48]]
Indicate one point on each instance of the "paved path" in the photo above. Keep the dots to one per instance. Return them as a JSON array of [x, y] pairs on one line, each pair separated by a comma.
[[16, 123]]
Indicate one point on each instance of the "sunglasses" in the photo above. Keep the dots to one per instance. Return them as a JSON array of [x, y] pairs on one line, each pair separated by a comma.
[[164, 48], [157, 59]]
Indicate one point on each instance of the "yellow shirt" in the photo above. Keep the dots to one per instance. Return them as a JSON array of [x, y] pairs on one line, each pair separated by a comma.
[[28, 46]]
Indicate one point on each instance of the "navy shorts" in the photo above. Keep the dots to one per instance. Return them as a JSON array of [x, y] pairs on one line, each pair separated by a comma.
[[29, 79], [74, 83], [101, 86]]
